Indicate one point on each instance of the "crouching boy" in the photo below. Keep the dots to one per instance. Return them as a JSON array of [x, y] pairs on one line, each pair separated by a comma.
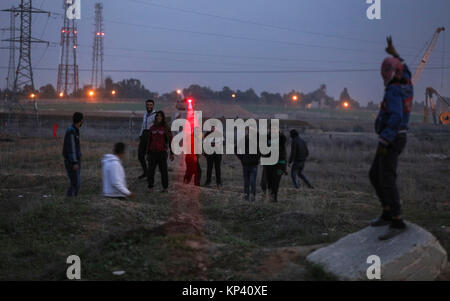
[[114, 183]]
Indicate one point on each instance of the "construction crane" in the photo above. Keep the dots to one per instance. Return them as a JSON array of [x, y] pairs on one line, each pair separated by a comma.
[[429, 104], [426, 56], [441, 102]]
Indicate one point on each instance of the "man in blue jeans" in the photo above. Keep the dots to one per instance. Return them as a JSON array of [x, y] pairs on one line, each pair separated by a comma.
[[250, 164], [299, 153], [72, 154]]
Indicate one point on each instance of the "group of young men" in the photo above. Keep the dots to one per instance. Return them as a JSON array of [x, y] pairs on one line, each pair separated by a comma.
[[154, 150], [391, 126]]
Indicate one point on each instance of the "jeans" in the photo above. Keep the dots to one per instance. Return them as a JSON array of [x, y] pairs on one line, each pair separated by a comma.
[[142, 150], [250, 173], [157, 159], [383, 174], [297, 170], [74, 178], [213, 160]]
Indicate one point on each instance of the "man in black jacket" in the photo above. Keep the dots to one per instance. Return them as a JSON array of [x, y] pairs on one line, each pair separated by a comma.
[[299, 153], [72, 154], [250, 164], [213, 160]]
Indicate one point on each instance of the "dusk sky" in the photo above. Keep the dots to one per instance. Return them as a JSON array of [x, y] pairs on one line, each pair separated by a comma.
[[247, 35]]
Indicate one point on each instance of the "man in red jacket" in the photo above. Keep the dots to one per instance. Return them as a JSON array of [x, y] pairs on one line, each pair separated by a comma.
[[159, 142]]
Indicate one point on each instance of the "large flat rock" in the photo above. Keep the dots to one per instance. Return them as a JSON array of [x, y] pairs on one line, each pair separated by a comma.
[[413, 255]]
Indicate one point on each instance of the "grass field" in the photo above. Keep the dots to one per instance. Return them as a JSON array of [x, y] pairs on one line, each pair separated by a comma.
[[203, 233]]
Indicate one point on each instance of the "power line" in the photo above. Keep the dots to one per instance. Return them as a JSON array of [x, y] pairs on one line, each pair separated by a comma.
[[234, 71], [238, 20], [241, 37]]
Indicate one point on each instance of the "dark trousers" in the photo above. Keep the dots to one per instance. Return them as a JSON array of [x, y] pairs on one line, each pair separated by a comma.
[[74, 178], [213, 160], [157, 159], [383, 174], [142, 150], [271, 179], [297, 171], [192, 169], [250, 173]]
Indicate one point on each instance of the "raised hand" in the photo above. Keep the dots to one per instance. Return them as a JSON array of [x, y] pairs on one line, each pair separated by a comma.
[[390, 49]]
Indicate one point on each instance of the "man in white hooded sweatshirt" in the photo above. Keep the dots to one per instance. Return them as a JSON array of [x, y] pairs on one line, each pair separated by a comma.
[[114, 183]]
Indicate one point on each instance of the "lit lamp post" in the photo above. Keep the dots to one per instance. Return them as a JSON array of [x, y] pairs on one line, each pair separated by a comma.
[[91, 93], [233, 96], [114, 93], [61, 95], [33, 97], [346, 105]]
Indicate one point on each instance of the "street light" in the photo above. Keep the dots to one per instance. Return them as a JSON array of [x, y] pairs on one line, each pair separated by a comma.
[[294, 97], [179, 92], [91, 93], [61, 94], [113, 92], [233, 95], [346, 105]]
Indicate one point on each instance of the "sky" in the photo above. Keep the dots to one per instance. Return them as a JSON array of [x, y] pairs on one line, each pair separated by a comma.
[[247, 35]]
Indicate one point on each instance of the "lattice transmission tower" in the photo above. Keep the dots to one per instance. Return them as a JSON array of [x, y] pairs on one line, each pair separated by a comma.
[[24, 70], [98, 52], [68, 81]]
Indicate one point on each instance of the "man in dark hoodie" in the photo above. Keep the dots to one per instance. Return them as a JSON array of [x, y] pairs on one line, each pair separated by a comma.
[[299, 153], [250, 162], [72, 154]]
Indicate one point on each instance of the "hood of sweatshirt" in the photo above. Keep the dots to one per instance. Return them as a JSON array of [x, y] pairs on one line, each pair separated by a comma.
[[108, 158]]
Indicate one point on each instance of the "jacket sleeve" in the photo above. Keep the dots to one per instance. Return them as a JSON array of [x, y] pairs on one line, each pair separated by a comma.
[[293, 151], [143, 125], [149, 140], [170, 137], [394, 104], [306, 150], [118, 179], [71, 148]]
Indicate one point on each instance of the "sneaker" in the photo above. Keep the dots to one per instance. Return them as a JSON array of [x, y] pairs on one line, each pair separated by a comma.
[[207, 184], [246, 197], [150, 189], [380, 221], [142, 176], [253, 198], [391, 232], [164, 191]]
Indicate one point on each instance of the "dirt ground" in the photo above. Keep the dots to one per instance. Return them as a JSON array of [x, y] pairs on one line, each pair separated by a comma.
[[198, 233]]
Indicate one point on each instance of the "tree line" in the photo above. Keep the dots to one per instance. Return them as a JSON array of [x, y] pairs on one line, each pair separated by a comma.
[[129, 89]]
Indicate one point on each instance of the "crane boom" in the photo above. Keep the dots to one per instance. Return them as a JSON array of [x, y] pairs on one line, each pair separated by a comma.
[[426, 56], [431, 104]]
